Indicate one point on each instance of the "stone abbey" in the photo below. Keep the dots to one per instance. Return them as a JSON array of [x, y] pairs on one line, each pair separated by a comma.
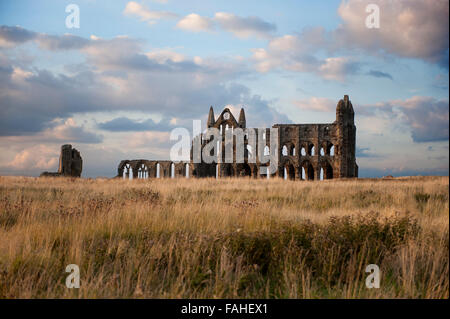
[[304, 151]]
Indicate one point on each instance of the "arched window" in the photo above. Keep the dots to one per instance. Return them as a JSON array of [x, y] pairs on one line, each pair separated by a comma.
[[158, 170], [322, 152], [284, 150], [303, 151], [126, 171], [142, 172], [187, 170], [321, 174], [293, 151], [303, 174], [332, 150], [312, 150], [172, 170], [266, 151]]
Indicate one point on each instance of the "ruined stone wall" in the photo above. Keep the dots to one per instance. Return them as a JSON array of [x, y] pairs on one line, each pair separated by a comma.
[[70, 163], [143, 169]]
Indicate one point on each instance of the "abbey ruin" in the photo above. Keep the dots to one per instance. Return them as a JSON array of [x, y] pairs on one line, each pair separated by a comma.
[[304, 151]]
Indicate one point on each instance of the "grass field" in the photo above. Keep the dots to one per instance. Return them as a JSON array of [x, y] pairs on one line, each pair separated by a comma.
[[229, 238]]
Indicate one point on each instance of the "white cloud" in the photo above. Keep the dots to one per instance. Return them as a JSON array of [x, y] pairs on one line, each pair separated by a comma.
[[164, 55], [413, 29], [294, 53], [244, 27], [317, 104], [144, 14], [35, 157], [195, 23], [241, 27], [337, 68]]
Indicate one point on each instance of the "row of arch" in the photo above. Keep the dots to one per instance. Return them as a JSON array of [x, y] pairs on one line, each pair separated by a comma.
[[143, 171], [306, 171], [289, 170], [310, 150]]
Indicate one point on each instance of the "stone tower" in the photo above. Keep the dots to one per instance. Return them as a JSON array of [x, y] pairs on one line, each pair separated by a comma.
[[70, 161], [346, 134]]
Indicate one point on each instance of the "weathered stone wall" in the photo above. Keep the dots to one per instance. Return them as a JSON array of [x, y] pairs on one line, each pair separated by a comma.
[[151, 169]]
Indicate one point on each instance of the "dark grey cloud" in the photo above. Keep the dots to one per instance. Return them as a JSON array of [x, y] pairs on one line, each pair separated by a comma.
[[15, 35], [63, 42], [365, 152], [244, 27], [427, 117], [124, 124], [379, 74]]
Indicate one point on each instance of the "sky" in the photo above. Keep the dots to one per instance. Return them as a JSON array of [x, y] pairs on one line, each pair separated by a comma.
[[116, 86]]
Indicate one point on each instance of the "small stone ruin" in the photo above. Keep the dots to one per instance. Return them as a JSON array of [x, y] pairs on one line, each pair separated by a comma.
[[70, 163]]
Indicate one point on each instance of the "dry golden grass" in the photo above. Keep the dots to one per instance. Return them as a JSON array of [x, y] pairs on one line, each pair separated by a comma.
[[230, 238]]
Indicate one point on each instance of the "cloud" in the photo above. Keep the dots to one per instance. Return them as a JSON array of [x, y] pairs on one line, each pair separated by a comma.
[[118, 75], [411, 29], [241, 27], [40, 157], [297, 53], [195, 23], [15, 35], [68, 131], [124, 124], [144, 14], [58, 131], [427, 117], [338, 68], [379, 74], [150, 139], [11, 36], [408, 29], [244, 27], [365, 152], [316, 104]]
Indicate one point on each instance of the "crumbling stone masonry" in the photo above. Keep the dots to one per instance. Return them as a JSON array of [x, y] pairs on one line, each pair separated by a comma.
[[70, 163], [306, 151]]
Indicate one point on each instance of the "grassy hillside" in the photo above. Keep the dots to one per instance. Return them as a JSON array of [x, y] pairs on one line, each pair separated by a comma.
[[231, 238]]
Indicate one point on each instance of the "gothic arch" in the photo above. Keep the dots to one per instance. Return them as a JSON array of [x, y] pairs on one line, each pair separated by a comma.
[[308, 170]]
